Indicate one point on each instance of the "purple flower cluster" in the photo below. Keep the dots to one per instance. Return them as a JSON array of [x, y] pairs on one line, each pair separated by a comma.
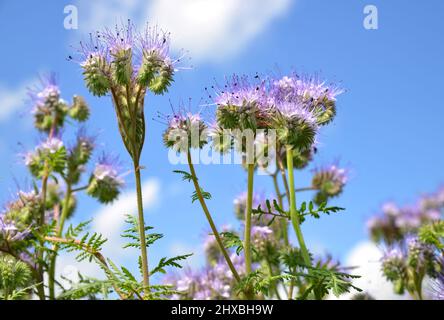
[[122, 55], [105, 183], [329, 181], [185, 130], [10, 232], [395, 222], [212, 282]]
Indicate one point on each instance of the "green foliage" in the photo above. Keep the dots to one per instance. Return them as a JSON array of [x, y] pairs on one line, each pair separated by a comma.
[[185, 175], [433, 234], [169, 262], [310, 210], [232, 240], [322, 281], [86, 288], [15, 277], [195, 195], [132, 233]]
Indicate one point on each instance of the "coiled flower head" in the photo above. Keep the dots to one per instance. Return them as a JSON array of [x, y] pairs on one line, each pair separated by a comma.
[[295, 124], [314, 93], [79, 155], [79, 109], [393, 264], [420, 256], [10, 233], [185, 131], [157, 68], [123, 56], [242, 104], [22, 211], [49, 156], [49, 109], [261, 236], [105, 183], [329, 181]]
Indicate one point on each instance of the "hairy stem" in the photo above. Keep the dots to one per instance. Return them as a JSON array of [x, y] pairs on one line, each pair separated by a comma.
[[280, 202], [40, 253], [143, 248], [284, 177], [293, 212], [210, 219], [247, 234], [52, 266]]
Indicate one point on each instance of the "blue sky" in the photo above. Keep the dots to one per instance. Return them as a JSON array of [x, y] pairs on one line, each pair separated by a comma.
[[388, 129]]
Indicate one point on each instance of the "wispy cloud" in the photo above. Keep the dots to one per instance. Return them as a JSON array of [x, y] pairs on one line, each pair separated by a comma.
[[210, 30]]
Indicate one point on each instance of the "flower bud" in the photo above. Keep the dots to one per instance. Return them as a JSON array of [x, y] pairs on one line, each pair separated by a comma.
[[104, 184], [96, 71], [393, 265], [122, 65], [79, 110], [261, 236], [49, 156], [185, 132], [330, 182]]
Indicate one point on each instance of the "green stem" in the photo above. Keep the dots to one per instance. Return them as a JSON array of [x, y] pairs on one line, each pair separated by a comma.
[[210, 219], [79, 189], [280, 202], [247, 235], [52, 266], [41, 286], [293, 211], [306, 189], [143, 249], [284, 177]]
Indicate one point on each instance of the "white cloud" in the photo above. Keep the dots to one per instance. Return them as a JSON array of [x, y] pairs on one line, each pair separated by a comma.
[[365, 256], [215, 29], [210, 30], [12, 99]]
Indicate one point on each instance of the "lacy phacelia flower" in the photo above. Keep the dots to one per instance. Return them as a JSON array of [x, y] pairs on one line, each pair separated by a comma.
[[261, 236], [49, 109], [314, 93], [79, 109], [9, 231], [212, 282], [78, 156], [240, 203], [396, 222], [421, 257], [105, 182], [295, 124], [185, 131], [329, 181], [49, 156], [157, 68], [242, 104], [393, 264], [222, 140], [122, 56]]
